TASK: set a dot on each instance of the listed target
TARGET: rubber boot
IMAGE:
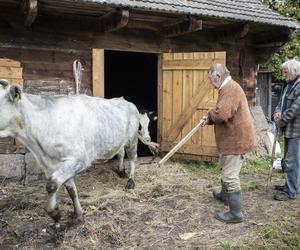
(221, 194)
(234, 215)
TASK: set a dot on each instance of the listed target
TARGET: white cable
(77, 68)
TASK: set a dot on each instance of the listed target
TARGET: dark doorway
(133, 76)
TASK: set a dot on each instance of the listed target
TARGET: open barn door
(185, 95)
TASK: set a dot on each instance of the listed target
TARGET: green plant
(226, 245)
(201, 166)
(251, 186)
(288, 8)
(256, 165)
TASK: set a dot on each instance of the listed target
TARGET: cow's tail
(153, 147)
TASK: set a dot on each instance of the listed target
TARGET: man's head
(217, 74)
(291, 69)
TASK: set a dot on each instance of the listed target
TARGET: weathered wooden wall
(243, 67)
(51, 71)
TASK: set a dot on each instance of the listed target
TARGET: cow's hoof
(77, 220)
(130, 184)
(55, 214)
(122, 174)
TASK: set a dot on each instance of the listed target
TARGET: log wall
(51, 71)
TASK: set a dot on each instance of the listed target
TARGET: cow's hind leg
(132, 156)
(72, 191)
(121, 170)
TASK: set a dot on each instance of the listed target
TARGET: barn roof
(241, 10)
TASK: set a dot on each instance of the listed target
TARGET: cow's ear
(15, 93)
(3, 83)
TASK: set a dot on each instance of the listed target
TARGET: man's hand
(204, 120)
(277, 116)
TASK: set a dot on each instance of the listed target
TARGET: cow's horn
(4, 83)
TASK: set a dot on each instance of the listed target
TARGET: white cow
(67, 133)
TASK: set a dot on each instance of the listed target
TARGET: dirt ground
(171, 207)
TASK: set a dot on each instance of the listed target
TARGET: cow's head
(144, 126)
(9, 96)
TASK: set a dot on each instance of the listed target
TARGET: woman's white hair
(219, 69)
(293, 66)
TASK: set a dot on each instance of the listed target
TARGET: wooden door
(185, 95)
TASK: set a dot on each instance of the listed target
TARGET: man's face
(215, 81)
(288, 76)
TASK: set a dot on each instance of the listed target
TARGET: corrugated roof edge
(289, 23)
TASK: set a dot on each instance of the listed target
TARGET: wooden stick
(180, 144)
(272, 158)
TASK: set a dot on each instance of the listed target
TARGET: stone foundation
(20, 167)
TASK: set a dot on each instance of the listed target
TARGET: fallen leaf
(186, 236)
(92, 207)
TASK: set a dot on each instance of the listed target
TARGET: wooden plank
(160, 97)
(187, 113)
(191, 149)
(196, 117)
(16, 81)
(187, 93)
(10, 72)
(98, 72)
(196, 85)
(187, 156)
(187, 64)
(9, 63)
(177, 94)
(167, 93)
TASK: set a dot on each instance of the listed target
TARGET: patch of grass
(202, 166)
(251, 186)
(278, 233)
(256, 165)
(226, 245)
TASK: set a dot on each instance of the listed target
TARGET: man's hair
(293, 66)
(219, 69)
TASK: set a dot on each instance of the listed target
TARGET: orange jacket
(234, 128)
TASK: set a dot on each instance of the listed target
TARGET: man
(235, 136)
(287, 116)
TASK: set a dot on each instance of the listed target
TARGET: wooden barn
(154, 53)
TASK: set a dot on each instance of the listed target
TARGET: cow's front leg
(63, 173)
(72, 191)
(52, 208)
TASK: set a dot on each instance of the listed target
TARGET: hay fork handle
(183, 141)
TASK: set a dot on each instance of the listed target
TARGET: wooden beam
(114, 20)
(42, 38)
(269, 45)
(273, 37)
(30, 9)
(232, 32)
(244, 31)
(187, 26)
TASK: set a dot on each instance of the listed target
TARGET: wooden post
(98, 72)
